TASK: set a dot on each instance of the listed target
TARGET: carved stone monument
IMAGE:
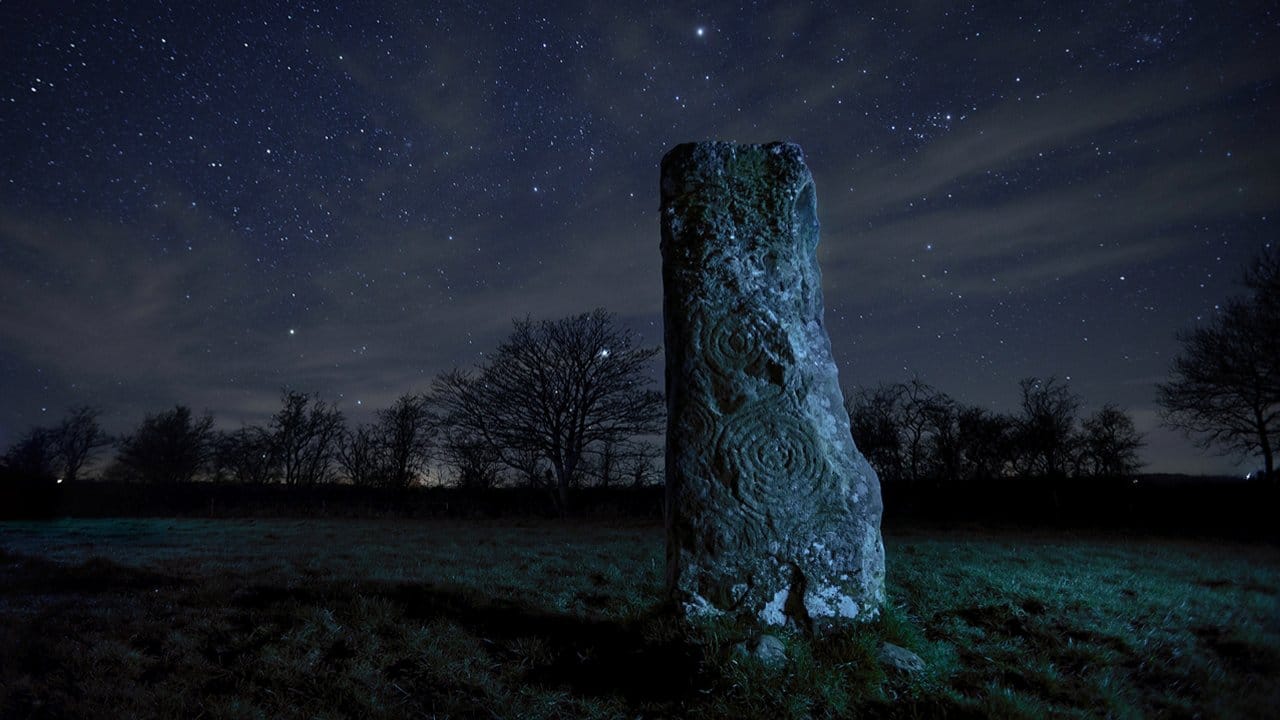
(772, 513)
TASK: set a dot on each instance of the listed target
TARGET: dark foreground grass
(191, 618)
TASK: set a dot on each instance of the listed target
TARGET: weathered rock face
(772, 512)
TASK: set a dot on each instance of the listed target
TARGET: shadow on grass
(1239, 653)
(587, 656)
(22, 575)
(66, 609)
(584, 655)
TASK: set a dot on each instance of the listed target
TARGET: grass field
(278, 618)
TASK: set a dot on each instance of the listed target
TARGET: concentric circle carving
(734, 343)
(771, 455)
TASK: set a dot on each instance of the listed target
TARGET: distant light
(604, 352)
(292, 331)
(701, 31)
(59, 481)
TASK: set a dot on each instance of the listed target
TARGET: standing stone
(772, 513)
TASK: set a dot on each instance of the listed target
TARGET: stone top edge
(694, 165)
(686, 150)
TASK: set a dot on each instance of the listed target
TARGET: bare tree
(78, 440)
(1046, 428)
(614, 462)
(405, 433)
(529, 466)
(360, 457)
(305, 433)
(247, 455)
(556, 388)
(1224, 389)
(393, 451)
(946, 452)
(603, 463)
(169, 447)
(1109, 444)
(873, 418)
(986, 439)
(640, 463)
(476, 462)
(914, 424)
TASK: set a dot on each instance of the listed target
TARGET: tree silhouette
(405, 434)
(529, 467)
(476, 462)
(169, 447)
(1046, 428)
(360, 457)
(1224, 389)
(305, 434)
(393, 451)
(1109, 444)
(916, 414)
(946, 450)
(247, 455)
(78, 439)
(555, 389)
(34, 457)
(27, 475)
(874, 422)
(640, 463)
(987, 443)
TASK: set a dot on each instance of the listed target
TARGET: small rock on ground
(900, 658)
(768, 649)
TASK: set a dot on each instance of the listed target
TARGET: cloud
(1069, 213)
(1069, 119)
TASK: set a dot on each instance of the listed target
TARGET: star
(419, 189)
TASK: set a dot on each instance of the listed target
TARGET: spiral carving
(771, 456)
(698, 426)
(735, 343)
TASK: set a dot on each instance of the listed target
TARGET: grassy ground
(277, 618)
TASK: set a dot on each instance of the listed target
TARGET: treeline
(468, 432)
(559, 405)
(919, 438)
(565, 405)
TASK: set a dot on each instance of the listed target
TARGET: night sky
(201, 207)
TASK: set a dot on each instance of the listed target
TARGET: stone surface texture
(772, 513)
